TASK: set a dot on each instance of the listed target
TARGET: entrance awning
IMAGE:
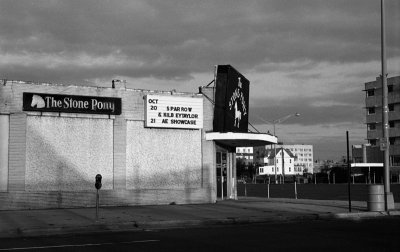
(237, 139)
(366, 165)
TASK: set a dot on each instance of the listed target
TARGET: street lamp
(274, 123)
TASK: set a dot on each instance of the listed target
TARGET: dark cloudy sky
(308, 56)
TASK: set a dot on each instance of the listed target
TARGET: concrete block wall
(4, 136)
(162, 158)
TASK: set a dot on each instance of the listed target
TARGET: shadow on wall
(65, 154)
(163, 158)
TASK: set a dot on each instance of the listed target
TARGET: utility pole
(283, 165)
(389, 203)
(276, 175)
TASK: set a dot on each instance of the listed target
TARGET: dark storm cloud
(335, 108)
(173, 39)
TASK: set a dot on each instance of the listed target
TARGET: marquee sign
(231, 113)
(71, 104)
(173, 112)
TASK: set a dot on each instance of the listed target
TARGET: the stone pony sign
(71, 103)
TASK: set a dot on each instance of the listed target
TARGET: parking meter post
(348, 170)
(268, 190)
(97, 184)
(97, 203)
(295, 189)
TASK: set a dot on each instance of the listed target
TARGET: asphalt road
(328, 235)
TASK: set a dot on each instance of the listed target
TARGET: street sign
(383, 144)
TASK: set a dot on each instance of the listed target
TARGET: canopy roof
(238, 139)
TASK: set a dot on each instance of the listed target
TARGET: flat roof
(238, 139)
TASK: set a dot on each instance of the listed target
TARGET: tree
(245, 170)
(241, 168)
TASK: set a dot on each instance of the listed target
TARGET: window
(370, 92)
(391, 124)
(261, 170)
(391, 107)
(372, 142)
(392, 140)
(371, 126)
(272, 169)
(371, 111)
(290, 169)
(277, 169)
(390, 88)
(395, 160)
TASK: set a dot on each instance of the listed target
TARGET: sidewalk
(137, 218)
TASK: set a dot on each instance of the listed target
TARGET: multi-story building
(373, 105)
(245, 153)
(303, 155)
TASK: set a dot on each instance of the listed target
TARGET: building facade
(150, 147)
(245, 153)
(373, 105)
(53, 146)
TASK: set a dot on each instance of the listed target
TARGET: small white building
(285, 163)
(302, 152)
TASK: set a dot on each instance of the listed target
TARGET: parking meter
(98, 181)
(98, 186)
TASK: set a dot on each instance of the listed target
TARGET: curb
(360, 215)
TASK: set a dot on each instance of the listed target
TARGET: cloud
(308, 56)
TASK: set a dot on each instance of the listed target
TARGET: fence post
(268, 190)
(295, 189)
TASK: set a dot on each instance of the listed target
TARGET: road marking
(79, 245)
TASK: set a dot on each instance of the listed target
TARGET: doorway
(222, 165)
